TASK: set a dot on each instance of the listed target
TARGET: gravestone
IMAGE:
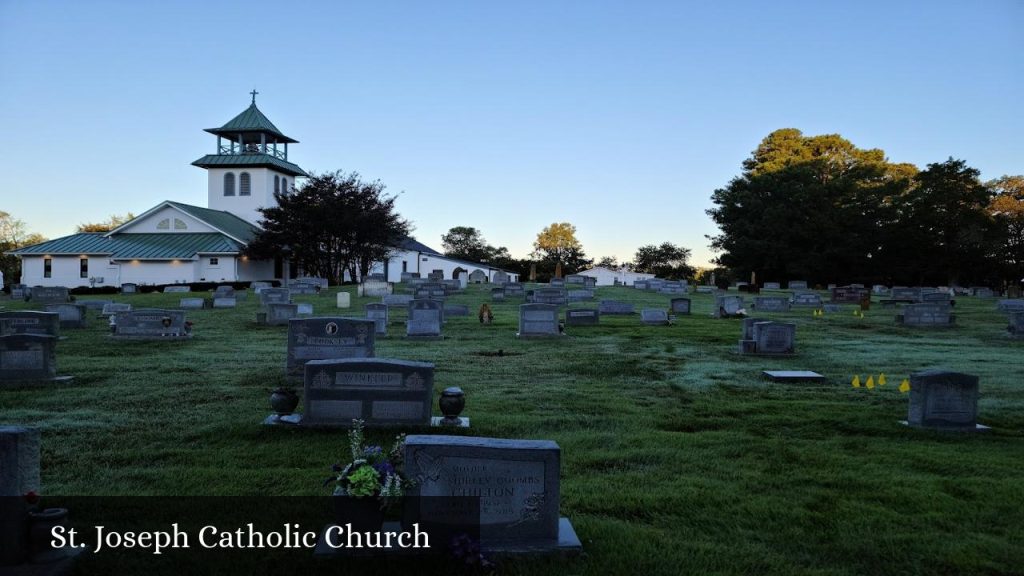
(327, 338)
(943, 400)
(302, 289)
(379, 314)
(451, 286)
(95, 305)
(49, 295)
(679, 305)
(430, 291)
(807, 299)
(304, 309)
(19, 291)
(673, 287)
(767, 337)
(71, 315)
(747, 327)
(425, 318)
(905, 294)
(1016, 324)
(880, 290)
(654, 317)
(538, 320)
(556, 296)
(772, 286)
(926, 315)
(832, 308)
(463, 279)
(500, 278)
(343, 299)
(30, 322)
(514, 290)
(114, 308)
(640, 284)
(376, 276)
(849, 294)
(615, 307)
(1013, 292)
(396, 300)
(771, 304)
(258, 287)
(477, 277)
(497, 294)
(224, 292)
(655, 284)
(129, 288)
(579, 296)
(224, 302)
(942, 298)
(279, 314)
(983, 292)
(557, 283)
(175, 289)
(705, 289)
(374, 288)
(150, 324)
(436, 276)
(793, 376)
(379, 391)
(582, 317)
(575, 279)
(191, 303)
(19, 475)
(275, 296)
(1010, 305)
(797, 285)
(514, 486)
(315, 281)
(29, 359)
(406, 276)
(727, 306)
(589, 282)
(456, 310)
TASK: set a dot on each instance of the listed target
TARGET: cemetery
(606, 424)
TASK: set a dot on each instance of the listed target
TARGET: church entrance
(456, 272)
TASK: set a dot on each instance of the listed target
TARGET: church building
(175, 243)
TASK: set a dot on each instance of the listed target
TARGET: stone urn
(283, 401)
(452, 401)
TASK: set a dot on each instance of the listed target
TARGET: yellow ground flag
(881, 379)
(870, 383)
(905, 386)
(856, 381)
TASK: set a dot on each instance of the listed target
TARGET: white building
(175, 243)
(609, 277)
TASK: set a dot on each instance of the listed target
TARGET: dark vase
(363, 513)
(283, 402)
(452, 402)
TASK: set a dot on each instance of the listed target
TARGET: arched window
(284, 185)
(277, 184)
(229, 184)
(244, 184)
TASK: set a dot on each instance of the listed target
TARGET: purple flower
(384, 469)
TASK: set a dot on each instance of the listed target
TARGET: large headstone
(575, 279)
(275, 296)
(379, 391)
(983, 292)
(538, 320)
(797, 285)
(727, 306)
(406, 276)
(849, 294)
(926, 315)
(497, 294)
(425, 318)
(775, 337)
(129, 288)
(375, 288)
(640, 284)
(71, 315)
(29, 322)
(582, 317)
(327, 338)
(224, 302)
(771, 303)
(673, 287)
(113, 308)
(191, 303)
(905, 294)
(772, 286)
(514, 290)
(49, 295)
(303, 289)
(279, 314)
(343, 299)
(258, 287)
(29, 359)
(807, 299)
(556, 296)
(516, 482)
(1010, 305)
(379, 314)
(321, 283)
(654, 316)
(396, 300)
(500, 278)
(150, 324)
(613, 307)
(477, 277)
(579, 295)
(1016, 324)
(557, 283)
(943, 298)
(224, 291)
(431, 291)
(943, 400)
(175, 289)
(679, 305)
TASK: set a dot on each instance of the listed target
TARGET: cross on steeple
(254, 93)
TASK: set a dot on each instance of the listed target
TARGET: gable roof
(250, 120)
(234, 227)
(149, 246)
(413, 245)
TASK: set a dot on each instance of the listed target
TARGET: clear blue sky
(620, 117)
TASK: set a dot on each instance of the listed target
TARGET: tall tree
(610, 262)
(13, 235)
(664, 261)
(1007, 208)
(106, 226)
(334, 223)
(557, 244)
(465, 242)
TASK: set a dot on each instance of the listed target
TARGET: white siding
(150, 224)
(245, 207)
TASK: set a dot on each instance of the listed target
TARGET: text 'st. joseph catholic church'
(175, 243)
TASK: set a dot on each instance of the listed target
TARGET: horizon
(619, 119)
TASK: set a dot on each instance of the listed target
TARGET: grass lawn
(677, 458)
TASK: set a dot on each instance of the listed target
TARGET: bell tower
(250, 165)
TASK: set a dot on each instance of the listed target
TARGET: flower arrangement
(372, 470)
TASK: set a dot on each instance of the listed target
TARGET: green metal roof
(244, 160)
(226, 222)
(250, 120)
(136, 246)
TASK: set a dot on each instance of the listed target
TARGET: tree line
(821, 209)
